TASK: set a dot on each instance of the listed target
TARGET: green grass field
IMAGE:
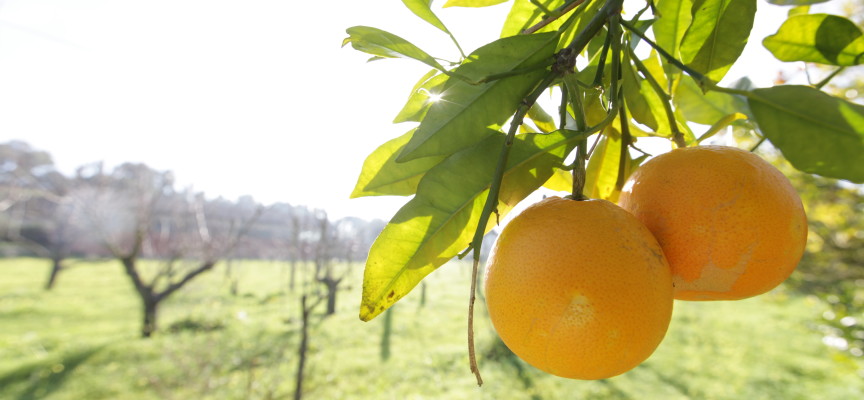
(81, 341)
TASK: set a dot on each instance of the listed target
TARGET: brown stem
(472, 355)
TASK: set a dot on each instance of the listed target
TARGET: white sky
(236, 97)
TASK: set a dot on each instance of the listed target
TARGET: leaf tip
(368, 311)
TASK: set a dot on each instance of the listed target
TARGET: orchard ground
(80, 341)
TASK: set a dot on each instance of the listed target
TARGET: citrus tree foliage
(478, 142)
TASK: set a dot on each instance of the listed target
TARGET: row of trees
(133, 213)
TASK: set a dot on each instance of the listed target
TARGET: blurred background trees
(164, 236)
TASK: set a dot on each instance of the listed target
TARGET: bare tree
(326, 249)
(138, 214)
(37, 213)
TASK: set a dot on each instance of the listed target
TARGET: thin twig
(553, 16)
(564, 63)
(677, 136)
(828, 78)
(472, 354)
(491, 205)
(701, 79)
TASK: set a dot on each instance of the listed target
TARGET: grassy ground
(80, 341)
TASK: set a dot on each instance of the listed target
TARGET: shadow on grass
(46, 376)
(677, 385)
(500, 353)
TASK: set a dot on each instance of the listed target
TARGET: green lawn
(80, 341)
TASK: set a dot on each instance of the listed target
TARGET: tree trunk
(332, 288)
(422, 294)
(56, 266)
(292, 281)
(149, 325)
(386, 334)
(304, 346)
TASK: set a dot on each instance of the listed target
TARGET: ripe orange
(730, 224)
(579, 289)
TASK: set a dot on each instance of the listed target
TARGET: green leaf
(466, 111)
(560, 181)
(819, 38)
(717, 35)
(421, 8)
(721, 124)
(472, 3)
(541, 118)
(705, 108)
(655, 68)
(601, 174)
(799, 10)
(382, 175)
(419, 101)
(817, 133)
(385, 44)
(524, 14)
(795, 2)
(441, 219)
(672, 21)
(635, 93)
(588, 12)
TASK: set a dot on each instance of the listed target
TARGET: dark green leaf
(817, 133)
(385, 44)
(382, 175)
(705, 108)
(465, 112)
(717, 35)
(441, 219)
(819, 38)
(421, 9)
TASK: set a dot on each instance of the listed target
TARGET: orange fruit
(579, 289)
(730, 224)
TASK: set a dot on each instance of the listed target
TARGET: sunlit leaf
(385, 44)
(440, 220)
(819, 38)
(466, 111)
(705, 108)
(601, 174)
(672, 21)
(655, 68)
(382, 175)
(721, 124)
(560, 181)
(799, 10)
(795, 2)
(816, 132)
(523, 14)
(421, 8)
(541, 118)
(421, 97)
(717, 35)
(587, 13)
(634, 95)
(472, 3)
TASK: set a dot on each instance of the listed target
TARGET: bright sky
(253, 97)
